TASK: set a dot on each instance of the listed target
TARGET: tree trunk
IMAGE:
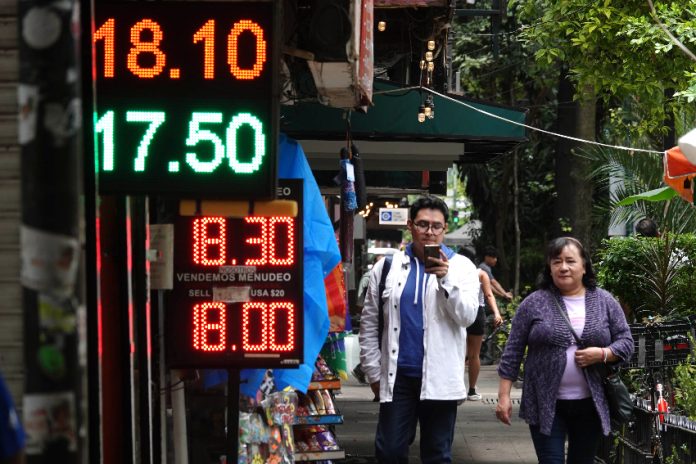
(502, 210)
(574, 201)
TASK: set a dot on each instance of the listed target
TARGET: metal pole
(232, 415)
(179, 434)
(50, 138)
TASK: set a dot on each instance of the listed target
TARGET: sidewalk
(479, 437)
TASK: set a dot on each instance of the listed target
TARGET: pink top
(573, 384)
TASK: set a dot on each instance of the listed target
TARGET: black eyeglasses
(435, 227)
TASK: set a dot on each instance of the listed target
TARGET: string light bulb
(382, 26)
(422, 65)
(431, 45)
(428, 56)
(431, 65)
(421, 113)
(429, 107)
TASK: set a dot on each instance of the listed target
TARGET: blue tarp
(321, 255)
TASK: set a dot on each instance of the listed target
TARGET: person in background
(474, 333)
(12, 437)
(415, 364)
(646, 227)
(360, 302)
(490, 259)
(561, 398)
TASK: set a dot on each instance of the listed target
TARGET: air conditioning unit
(339, 35)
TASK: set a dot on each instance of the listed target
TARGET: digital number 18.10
(196, 135)
(146, 37)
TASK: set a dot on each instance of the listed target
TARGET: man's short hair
(429, 202)
(646, 227)
(490, 251)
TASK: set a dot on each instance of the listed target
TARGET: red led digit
(247, 308)
(289, 309)
(107, 32)
(272, 241)
(202, 327)
(203, 242)
(206, 34)
(141, 46)
(233, 55)
(261, 241)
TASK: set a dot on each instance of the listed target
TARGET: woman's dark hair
(469, 253)
(429, 202)
(553, 249)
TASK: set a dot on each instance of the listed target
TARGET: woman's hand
(503, 411)
(497, 320)
(588, 356)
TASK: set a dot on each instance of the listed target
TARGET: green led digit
(196, 135)
(155, 118)
(105, 125)
(259, 143)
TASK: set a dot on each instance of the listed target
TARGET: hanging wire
(516, 123)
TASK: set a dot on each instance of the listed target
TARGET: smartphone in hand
(431, 251)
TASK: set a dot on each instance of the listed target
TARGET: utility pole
(49, 134)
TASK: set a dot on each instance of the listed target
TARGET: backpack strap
(380, 304)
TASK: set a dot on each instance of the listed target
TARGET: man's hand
(508, 295)
(497, 320)
(375, 389)
(439, 267)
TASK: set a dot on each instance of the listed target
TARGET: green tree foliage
(650, 276)
(638, 173)
(616, 47)
(509, 77)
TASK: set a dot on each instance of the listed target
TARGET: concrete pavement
(479, 437)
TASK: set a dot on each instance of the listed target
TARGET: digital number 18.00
(154, 119)
(210, 333)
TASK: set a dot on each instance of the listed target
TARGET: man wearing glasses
(413, 357)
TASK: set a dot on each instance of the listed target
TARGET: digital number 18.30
(196, 135)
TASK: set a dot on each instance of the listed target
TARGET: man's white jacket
(450, 305)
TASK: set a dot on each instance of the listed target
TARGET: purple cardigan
(539, 327)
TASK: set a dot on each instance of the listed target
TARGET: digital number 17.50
(196, 135)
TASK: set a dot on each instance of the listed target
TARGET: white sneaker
(474, 397)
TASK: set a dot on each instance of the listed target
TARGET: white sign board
(393, 216)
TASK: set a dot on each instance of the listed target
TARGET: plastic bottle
(662, 405)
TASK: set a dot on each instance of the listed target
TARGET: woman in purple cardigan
(561, 398)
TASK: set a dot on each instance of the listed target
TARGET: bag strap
(567, 321)
(380, 304)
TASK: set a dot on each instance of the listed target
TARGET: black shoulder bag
(380, 304)
(620, 403)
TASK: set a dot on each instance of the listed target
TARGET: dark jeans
(577, 420)
(396, 428)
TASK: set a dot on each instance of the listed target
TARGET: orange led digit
(206, 34)
(232, 50)
(141, 46)
(106, 32)
(261, 241)
(247, 308)
(202, 327)
(273, 241)
(203, 242)
(289, 309)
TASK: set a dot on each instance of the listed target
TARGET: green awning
(394, 118)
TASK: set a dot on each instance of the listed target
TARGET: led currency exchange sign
(237, 297)
(186, 98)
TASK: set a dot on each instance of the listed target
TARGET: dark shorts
(478, 327)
